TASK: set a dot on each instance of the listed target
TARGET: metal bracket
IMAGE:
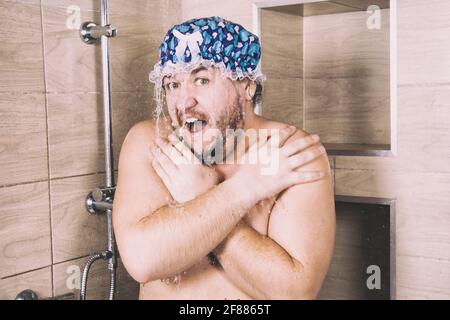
(91, 33)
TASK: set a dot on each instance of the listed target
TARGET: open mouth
(193, 124)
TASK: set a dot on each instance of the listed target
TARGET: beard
(226, 129)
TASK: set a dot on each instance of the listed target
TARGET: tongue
(197, 126)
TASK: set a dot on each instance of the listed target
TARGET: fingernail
(315, 137)
(322, 149)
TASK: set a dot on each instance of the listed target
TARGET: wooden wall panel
(347, 78)
(24, 228)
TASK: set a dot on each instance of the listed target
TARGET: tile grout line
(46, 266)
(24, 272)
(53, 179)
(48, 151)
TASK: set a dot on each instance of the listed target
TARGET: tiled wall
(347, 78)
(51, 143)
(419, 175)
(51, 134)
(282, 63)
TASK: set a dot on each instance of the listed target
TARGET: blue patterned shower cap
(211, 41)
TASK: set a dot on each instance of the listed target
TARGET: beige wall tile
(423, 224)
(341, 46)
(70, 65)
(422, 278)
(75, 232)
(283, 101)
(76, 129)
(423, 46)
(75, 134)
(139, 16)
(423, 128)
(23, 138)
(21, 63)
(423, 140)
(369, 163)
(64, 4)
(140, 25)
(35, 2)
(24, 228)
(238, 11)
(348, 110)
(347, 78)
(282, 42)
(132, 59)
(363, 4)
(68, 274)
(129, 109)
(40, 281)
(326, 7)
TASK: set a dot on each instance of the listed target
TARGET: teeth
(191, 120)
(194, 124)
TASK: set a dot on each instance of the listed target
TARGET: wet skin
(264, 249)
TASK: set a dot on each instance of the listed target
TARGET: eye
(172, 85)
(201, 81)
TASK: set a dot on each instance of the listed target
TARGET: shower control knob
(27, 295)
(98, 195)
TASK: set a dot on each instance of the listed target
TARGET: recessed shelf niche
(330, 70)
(365, 240)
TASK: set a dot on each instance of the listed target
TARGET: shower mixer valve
(100, 200)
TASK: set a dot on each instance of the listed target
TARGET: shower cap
(211, 41)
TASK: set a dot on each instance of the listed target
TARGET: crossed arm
(292, 260)
(157, 240)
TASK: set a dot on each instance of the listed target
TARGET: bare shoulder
(321, 163)
(144, 132)
(139, 190)
(271, 124)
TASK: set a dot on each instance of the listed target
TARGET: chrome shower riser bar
(91, 33)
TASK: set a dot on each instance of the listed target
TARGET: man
(202, 213)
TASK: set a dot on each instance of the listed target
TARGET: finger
(279, 137)
(299, 144)
(166, 162)
(301, 177)
(171, 153)
(183, 149)
(306, 156)
(160, 171)
(239, 145)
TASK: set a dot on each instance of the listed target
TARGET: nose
(186, 99)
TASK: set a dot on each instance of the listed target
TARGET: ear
(250, 89)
